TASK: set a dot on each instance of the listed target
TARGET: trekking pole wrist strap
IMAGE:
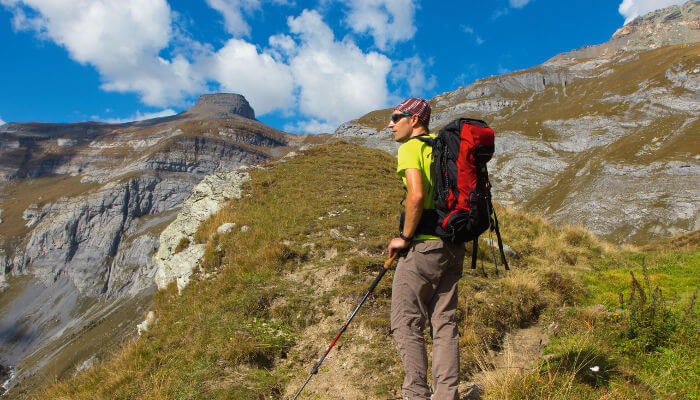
(408, 239)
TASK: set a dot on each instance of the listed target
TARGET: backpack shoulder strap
(425, 138)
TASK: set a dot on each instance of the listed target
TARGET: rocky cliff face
(605, 137)
(82, 208)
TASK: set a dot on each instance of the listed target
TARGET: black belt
(427, 225)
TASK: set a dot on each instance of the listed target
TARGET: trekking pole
(314, 371)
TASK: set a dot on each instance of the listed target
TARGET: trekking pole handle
(388, 262)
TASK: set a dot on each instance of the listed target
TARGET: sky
(304, 66)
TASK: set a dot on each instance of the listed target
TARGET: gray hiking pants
(425, 288)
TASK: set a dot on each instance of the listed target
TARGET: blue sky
(305, 66)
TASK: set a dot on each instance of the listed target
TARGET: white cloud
(631, 9)
(282, 47)
(412, 70)
(469, 30)
(137, 46)
(282, 42)
(519, 3)
(265, 82)
(2, 122)
(388, 21)
(120, 38)
(503, 70)
(500, 12)
(337, 80)
(310, 126)
(139, 116)
(233, 10)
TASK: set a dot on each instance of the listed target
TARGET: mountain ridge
(558, 123)
(669, 26)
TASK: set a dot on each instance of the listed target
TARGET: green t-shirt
(414, 154)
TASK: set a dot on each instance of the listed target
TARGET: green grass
(645, 349)
(675, 272)
(229, 337)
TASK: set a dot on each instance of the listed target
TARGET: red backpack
(463, 208)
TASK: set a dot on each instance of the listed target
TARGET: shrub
(649, 322)
(182, 245)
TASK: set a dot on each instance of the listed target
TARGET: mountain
(605, 136)
(96, 216)
(82, 206)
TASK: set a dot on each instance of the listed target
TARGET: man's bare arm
(414, 209)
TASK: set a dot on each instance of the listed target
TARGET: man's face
(400, 125)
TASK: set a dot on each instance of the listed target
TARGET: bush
(649, 322)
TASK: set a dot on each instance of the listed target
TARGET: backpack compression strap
(475, 247)
(500, 242)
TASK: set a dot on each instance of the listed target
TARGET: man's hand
(396, 245)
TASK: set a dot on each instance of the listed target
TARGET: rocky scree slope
(82, 206)
(605, 136)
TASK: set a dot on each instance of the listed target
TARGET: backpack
(463, 208)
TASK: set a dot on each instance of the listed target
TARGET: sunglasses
(397, 117)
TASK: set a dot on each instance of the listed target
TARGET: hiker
(428, 269)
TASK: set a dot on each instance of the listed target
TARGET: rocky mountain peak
(221, 106)
(665, 27)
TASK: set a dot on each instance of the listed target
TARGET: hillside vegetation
(311, 234)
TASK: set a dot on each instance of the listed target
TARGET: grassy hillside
(271, 296)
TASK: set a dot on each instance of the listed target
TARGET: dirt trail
(345, 366)
(521, 349)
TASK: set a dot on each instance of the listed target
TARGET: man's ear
(414, 120)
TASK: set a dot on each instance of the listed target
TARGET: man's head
(411, 117)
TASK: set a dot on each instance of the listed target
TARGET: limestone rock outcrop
(207, 197)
